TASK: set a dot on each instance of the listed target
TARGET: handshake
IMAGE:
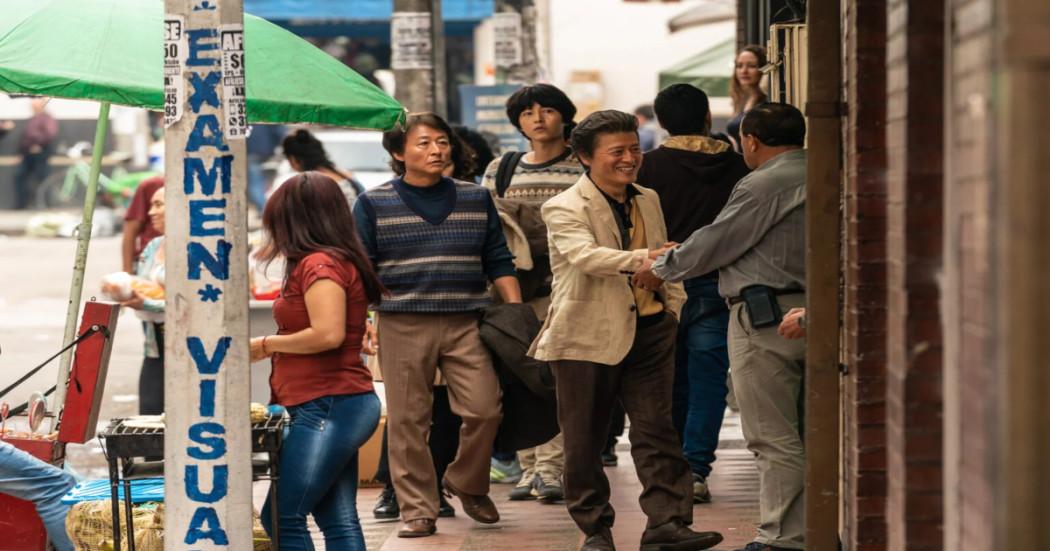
(644, 278)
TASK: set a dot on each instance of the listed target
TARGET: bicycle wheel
(51, 195)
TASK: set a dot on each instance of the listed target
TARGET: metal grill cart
(132, 449)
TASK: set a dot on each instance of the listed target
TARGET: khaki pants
(411, 348)
(546, 459)
(767, 374)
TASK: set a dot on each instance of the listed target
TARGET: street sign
(506, 31)
(207, 446)
(410, 41)
(484, 109)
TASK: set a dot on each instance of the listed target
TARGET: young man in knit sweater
(694, 174)
(436, 243)
(543, 114)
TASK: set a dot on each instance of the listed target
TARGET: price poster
(410, 41)
(506, 28)
(233, 89)
(174, 54)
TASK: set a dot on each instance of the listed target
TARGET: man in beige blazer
(609, 340)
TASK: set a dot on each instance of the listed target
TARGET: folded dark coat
(530, 413)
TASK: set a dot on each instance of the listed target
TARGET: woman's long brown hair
(309, 214)
(736, 91)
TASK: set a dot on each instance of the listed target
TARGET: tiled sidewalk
(532, 526)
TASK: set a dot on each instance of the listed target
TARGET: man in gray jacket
(757, 244)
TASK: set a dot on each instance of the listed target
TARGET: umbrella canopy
(709, 70)
(112, 51)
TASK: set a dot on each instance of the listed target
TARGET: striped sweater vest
(431, 267)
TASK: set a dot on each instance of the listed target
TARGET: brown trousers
(642, 381)
(411, 348)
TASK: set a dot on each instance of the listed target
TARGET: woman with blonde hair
(744, 88)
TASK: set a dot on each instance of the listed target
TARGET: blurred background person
(36, 146)
(263, 141)
(745, 88)
(305, 153)
(150, 268)
(138, 228)
(482, 153)
(650, 134)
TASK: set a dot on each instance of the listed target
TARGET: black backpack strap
(505, 172)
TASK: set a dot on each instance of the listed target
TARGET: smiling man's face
(616, 159)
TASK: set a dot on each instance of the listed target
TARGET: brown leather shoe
(479, 508)
(417, 528)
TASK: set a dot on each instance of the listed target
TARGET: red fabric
(139, 210)
(299, 378)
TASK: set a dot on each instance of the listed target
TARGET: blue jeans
(26, 477)
(701, 367)
(319, 471)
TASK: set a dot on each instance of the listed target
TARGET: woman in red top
(318, 373)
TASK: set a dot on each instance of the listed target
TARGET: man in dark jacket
(35, 146)
(694, 174)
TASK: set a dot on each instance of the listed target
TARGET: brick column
(915, 135)
(864, 316)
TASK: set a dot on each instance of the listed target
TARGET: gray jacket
(758, 238)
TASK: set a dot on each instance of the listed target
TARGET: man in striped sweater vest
(435, 243)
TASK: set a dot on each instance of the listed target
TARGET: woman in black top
(744, 89)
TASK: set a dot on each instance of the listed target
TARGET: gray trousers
(767, 372)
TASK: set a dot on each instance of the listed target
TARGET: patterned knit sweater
(539, 182)
(434, 248)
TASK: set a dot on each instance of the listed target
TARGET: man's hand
(793, 325)
(646, 279)
(370, 341)
(657, 253)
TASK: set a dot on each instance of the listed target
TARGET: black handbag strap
(505, 172)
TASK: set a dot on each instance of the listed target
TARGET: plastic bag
(118, 287)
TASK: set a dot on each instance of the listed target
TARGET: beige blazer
(592, 312)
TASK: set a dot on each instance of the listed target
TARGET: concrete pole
(527, 71)
(420, 83)
(208, 436)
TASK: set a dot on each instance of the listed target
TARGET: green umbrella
(111, 51)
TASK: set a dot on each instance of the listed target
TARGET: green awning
(709, 70)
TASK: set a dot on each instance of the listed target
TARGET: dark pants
(151, 378)
(701, 369)
(32, 170)
(443, 441)
(642, 382)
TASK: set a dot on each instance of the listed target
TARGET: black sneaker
(609, 458)
(676, 536)
(524, 490)
(701, 493)
(445, 509)
(548, 489)
(386, 507)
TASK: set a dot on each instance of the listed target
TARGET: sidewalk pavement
(532, 526)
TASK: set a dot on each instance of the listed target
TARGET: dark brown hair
(736, 92)
(610, 121)
(307, 214)
(394, 142)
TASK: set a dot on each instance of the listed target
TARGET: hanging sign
(410, 41)
(506, 30)
(233, 96)
(174, 59)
